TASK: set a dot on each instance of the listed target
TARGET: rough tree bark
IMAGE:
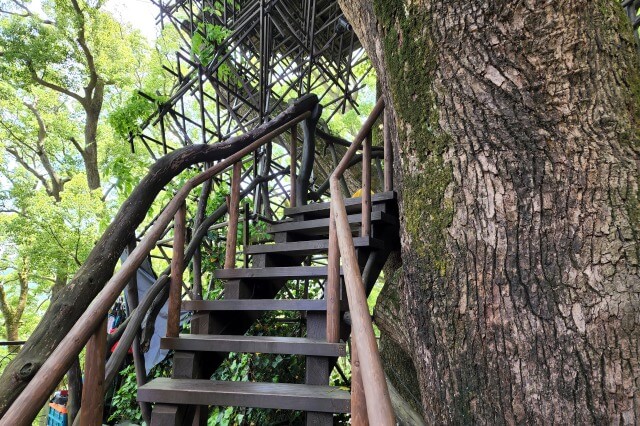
(73, 299)
(517, 155)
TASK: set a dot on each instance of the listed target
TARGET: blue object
(57, 415)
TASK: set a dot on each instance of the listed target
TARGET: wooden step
(281, 272)
(286, 396)
(353, 205)
(253, 344)
(304, 248)
(321, 226)
(255, 305)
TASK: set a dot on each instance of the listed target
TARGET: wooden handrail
(379, 409)
(35, 394)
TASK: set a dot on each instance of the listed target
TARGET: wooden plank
(93, 389)
(285, 396)
(256, 305)
(321, 226)
(309, 247)
(283, 272)
(351, 204)
(254, 344)
(234, 206)
(177, 269)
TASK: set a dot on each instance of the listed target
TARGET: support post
(388, 151)
(358, 400)
(93, 389)
(365, 231)
(234, 207)
(138, 357)
(177, 269)
(333, 284)
(246, 235)
(294, 165)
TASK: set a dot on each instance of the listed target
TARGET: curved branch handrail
(378, 409)
(27, 405)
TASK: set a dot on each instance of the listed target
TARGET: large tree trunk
(515, 129)
(73, 299)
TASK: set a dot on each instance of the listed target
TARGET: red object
(115, 345)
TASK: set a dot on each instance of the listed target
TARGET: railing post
(177, 269)
(366, 187)
(294, 166)
(358, 401)
(388, 151)
(234, 207)
(380, 411)
(246, 235)
(333, 284)
(93, 389)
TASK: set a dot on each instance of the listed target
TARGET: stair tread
(254, 344)
(255, 305)
(314, 226)
(285, 396)
(351, 204)
(283, 272)
(309, 247)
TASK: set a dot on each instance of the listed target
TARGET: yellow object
(358, 193)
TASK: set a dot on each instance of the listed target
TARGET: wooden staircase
(219, 327)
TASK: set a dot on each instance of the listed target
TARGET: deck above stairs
(219, 326)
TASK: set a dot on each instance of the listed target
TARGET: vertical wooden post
(294, 166)
(388, 151)
(177, 269)
(93, 389)
(246, 235)
(359, 414)
(234, 207)
(333, 284)
(366, 187)
(138, 356)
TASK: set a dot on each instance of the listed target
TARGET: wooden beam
(93, 389)
(333, 284)
(234, 214)
(358, 400)
(177, 269)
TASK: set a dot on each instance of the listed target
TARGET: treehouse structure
(266, 76)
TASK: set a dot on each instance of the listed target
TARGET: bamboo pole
(365, 230)
(234, 206)
(177, 269)
(93, 389)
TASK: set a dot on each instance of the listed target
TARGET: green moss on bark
(410, 57)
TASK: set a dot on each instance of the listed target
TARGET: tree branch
(54, 87)
(93, 79)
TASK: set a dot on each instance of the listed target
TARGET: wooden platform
(285, 396)
(256, 344)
